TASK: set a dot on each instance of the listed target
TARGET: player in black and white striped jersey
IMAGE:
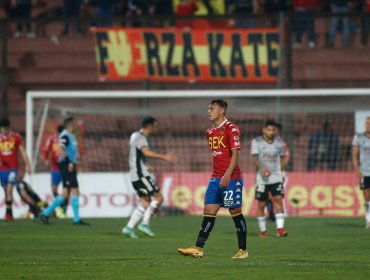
(143, 178)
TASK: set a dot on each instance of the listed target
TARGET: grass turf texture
(316, 248)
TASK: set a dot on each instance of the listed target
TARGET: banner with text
(307, 194)
(112, 194)
(241, 55)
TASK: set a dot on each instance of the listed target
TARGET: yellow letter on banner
(119, 52)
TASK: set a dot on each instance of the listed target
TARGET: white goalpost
(107, 118)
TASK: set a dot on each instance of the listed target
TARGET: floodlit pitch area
(316, 248)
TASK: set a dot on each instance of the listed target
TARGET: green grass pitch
(316, 248)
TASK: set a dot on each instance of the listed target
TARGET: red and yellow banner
(241, 55)
(317, 194)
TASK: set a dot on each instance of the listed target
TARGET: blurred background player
(268, 153)
(51, 158)
(226, 185)
(361, 162)
(284, 162)
(143, 179)
(67, 166)
(11, 143)
(29, 196)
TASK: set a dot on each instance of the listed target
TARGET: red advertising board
(318, 194)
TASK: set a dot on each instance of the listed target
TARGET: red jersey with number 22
(222, 140)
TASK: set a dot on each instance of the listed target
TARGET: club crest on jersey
(222, 131)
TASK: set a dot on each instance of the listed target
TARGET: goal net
(317, 125)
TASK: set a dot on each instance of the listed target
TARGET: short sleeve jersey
(51, 151)
(69, 143)
(137, 160)
(269, 155)
(9, 147)
(223, 140)
(363, 144)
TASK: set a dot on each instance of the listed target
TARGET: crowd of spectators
(244, 10)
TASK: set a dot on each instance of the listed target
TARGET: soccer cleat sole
(182, 252)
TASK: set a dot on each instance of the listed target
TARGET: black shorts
(69, 178)
(262, 191)
(146, 186)
(365, 183)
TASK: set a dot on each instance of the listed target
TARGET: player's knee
(235, 211)
(145, 201)
(158, 197)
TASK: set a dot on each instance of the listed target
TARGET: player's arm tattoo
(256, 162)
(282, 163)
(355, 154)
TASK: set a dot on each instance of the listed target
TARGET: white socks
(280, 217)
(149, 212)
(367, 213)
(262, 223)
(136, 216)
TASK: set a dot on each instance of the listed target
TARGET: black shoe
(44, 219)
(81, 223)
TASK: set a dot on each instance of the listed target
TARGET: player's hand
(359, 175)
(225, 181)
(46, 162)
(170, 157)
(70, 167)
(266, 171)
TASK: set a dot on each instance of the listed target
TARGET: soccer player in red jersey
(226, 185)
(11, 143)
(51, 158)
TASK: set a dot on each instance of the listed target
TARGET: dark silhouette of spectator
(304, 21)
(365, 23)
(22, 10)
(276, 7)
(339, 7)
(323, 148)
(103, 9)
(72, 9)
(185, 8)
(6, 5)
(163, 8)
(138, 8)
(244, 10)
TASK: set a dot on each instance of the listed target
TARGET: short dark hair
(148, 121)
(67, 121)
(5, 122)
(269, 123)
(60, 128)
(220, 102)
(278, 125)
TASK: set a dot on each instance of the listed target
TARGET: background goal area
(318, 127)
